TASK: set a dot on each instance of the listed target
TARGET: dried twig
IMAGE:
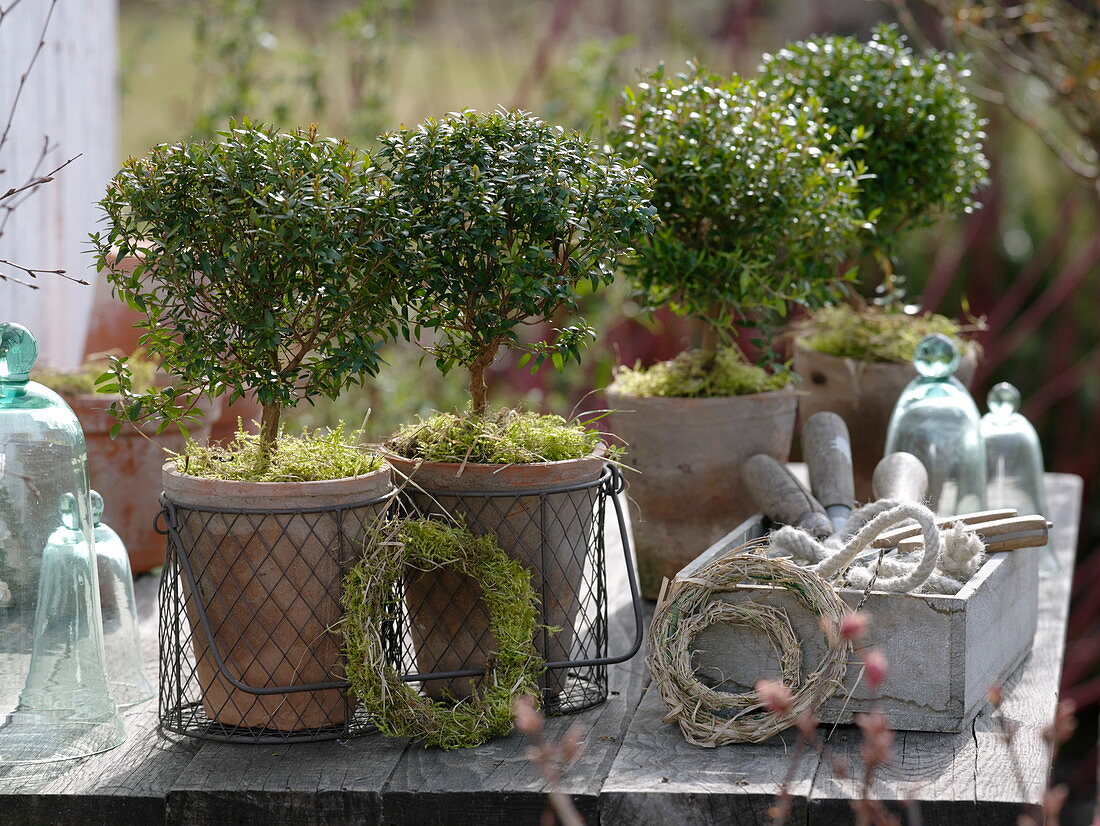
(14, 196)
(551, 758)
(34, 272)
(30, 66)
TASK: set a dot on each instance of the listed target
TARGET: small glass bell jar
(1015, 461)
(126, 674)
(936, 420)
(55, 703)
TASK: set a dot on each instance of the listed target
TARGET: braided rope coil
(712, 718)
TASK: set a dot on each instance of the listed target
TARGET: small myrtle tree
(920, 133)
(269, 267)
(507, 216)
(757, 207)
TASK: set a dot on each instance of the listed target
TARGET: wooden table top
(634, 770)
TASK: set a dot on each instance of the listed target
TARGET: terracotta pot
(863, 393)
(127, 472)
(450, 626)
(689, 452)
(270, 585)
(111, 325)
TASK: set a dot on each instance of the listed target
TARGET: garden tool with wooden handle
(782, 498)
(828, 451)
(900, 476)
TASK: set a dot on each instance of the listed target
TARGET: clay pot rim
(789, 390)
(600, 453)
(169, 471)
(970, 352)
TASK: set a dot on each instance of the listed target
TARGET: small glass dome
(54, 700)
(1015, 461)
(126, 674)
(936, 420)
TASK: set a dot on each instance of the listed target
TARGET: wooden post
(71, 98)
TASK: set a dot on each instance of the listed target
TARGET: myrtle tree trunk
(708, 341)
(479, 391)
(269, 428)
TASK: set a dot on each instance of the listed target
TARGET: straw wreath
(688, 606)
(371, 597)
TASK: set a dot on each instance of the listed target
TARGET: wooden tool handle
(889, 539)
(900, 476)
(781, 497)
(1001, 535)
(828, 452)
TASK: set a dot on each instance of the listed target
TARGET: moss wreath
(510, 601)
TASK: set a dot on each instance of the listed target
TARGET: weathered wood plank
(1032, 696)
(320, 783)
(658, 777)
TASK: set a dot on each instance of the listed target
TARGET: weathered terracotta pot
(127, 472)
(111, 324)
(270, 585)
(689, 452)
(550, 537)
(863, 393)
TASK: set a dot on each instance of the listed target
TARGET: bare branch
(26, 74)
(34, 272)
(5, 12)
(34, 183)
(17, 195)
(19, 281)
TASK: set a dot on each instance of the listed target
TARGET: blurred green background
(1028, 262)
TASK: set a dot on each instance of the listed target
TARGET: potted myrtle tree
(758, 209)
(508, 215)
(270, 267)
(922, 150)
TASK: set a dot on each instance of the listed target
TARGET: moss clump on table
(370, 590)
(698, 374)
(313, 456)
(497, 437)
(873, 334)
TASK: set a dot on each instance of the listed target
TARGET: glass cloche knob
(936, 420)
(936, 356)
(18, 352)
(70, 512)
(1003, 400)
(97, 507)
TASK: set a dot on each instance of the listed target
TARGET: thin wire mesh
(248, 602)
(442, 639)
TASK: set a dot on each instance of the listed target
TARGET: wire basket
(247, 650)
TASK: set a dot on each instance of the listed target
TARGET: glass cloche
(126, 674)
(54, 699)
(1014, 461)
(936, 420)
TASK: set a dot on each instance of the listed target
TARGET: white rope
(945, 563)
